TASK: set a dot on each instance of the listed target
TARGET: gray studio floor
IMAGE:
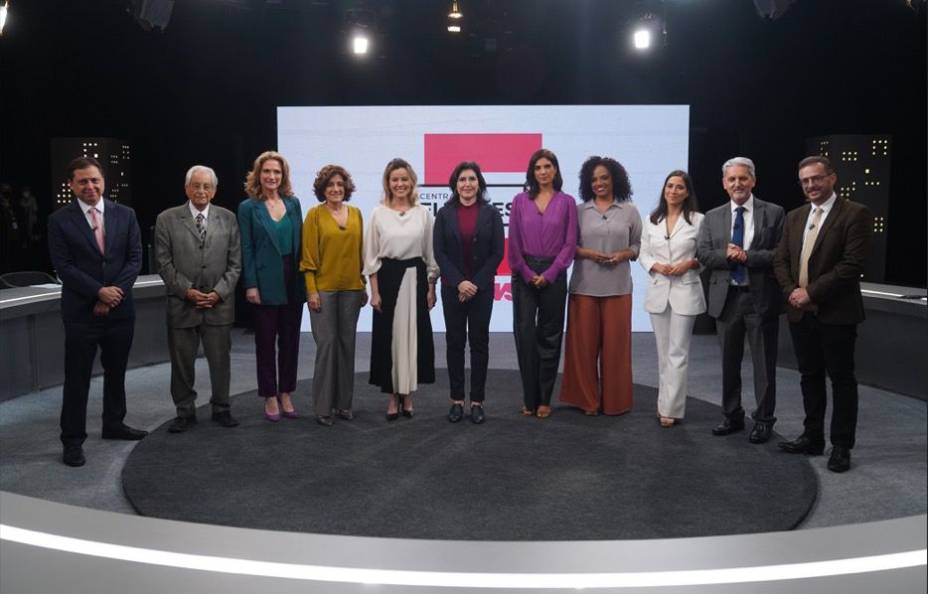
(887, 480)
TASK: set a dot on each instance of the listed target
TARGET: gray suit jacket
(714, 237)
(184, 262)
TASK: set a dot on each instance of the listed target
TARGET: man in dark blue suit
(96, 250)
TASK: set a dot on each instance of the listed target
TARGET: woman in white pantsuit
(675, 296)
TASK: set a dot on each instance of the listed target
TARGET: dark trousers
(184, 344)
(277, 368)
(820, 349)
(737, 320)
(538, 321)
(80, 349)
(468, 321)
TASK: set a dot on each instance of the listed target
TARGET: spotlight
(647, 32)
(642, 39)
(454, 18)
(4, 10)
(360, 44)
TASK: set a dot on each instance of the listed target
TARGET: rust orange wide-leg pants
(598, 358)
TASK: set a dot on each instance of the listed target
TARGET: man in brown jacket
(818, 264)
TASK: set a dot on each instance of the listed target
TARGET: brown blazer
(836, 263)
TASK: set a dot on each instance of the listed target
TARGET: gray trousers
(334, 328)
(183, 344)
(737, 320)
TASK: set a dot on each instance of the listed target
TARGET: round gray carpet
(568, 477)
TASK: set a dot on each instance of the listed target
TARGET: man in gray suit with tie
(737, 244)
(199, 256)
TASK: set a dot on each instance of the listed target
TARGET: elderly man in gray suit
(737, 244)
(199, 256)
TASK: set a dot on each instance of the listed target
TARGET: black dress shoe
(181, 424)
(73, 456)
(840, 459)
(456, 413)
(393, 416)
(325, 421)
(477, 415)
(224, 419)
(124, 432)
(344, 414)
(727, 427)
(761, 433)
(802, 445)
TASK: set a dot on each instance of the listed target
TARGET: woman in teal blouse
(271, 220)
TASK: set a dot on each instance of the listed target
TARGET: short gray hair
(196, 168)
(743, 161)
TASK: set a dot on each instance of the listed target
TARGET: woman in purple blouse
(542, 241)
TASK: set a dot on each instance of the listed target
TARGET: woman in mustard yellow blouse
(332, 262)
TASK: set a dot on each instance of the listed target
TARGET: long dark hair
(689, 205)
(531, 184)
(453, 182)
(621, 187)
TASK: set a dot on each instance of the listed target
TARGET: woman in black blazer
(468, 243)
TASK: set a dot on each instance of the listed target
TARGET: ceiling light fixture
(454, 18)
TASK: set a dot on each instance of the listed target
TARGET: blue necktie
(738, 271)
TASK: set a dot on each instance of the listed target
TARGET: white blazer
(683, 293)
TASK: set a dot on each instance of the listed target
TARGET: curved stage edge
(51, 547)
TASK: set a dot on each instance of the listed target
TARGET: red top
(467, 224)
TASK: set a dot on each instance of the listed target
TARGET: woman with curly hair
(270, 221)
(331, 263)
(598, 359)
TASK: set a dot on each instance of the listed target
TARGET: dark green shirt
(284, 230)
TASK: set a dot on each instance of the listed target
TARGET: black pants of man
(538, 320)
(820, 349)
(738, 320)
(81, 340)
(467, 322)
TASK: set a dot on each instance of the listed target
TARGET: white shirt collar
(194, 212)
(86, 207)
(827, 205)
(748, 205)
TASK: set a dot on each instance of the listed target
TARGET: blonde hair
(253, 179)
(392, 166)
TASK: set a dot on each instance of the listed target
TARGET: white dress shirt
(86, 208)
(748, 220)
(194, 212)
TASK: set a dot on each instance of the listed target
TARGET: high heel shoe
(407, 412)
(394, 415)
(543, 412)
(667, 422)
(287, 414)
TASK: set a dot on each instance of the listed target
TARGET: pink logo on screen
(497, 153)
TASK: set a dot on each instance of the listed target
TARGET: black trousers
(468, 321)
(538, 321)
(737, 320)
(820, 349)
(81, 339)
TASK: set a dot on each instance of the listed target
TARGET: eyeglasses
(815, 179)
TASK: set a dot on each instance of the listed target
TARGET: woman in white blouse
(675, 296)
(399, 261)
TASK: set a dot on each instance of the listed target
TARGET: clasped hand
(736, 254)
(202, 300)
(800, 299)
(466, 291)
